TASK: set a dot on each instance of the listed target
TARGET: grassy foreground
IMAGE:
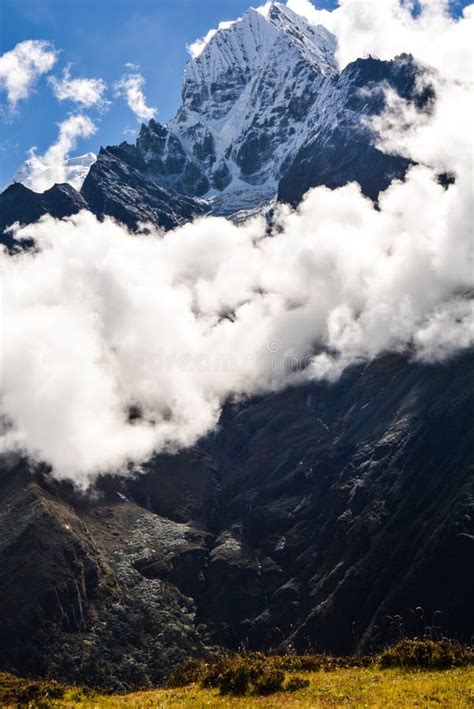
(351, 687)
(410, 674)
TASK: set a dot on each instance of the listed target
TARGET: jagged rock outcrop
(120, 185)
(20, 204)
(98, 588)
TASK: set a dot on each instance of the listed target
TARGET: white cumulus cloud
(40, 172)
(130, 86)
(22, 66)
(385, 28)
(85, 92)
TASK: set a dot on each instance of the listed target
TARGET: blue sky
(97, 37)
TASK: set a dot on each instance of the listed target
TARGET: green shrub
(21, 692)
(244, 674)
(427, 654)
(296, 683)
(268, 681)
(242, 670)
(186, 672)
(255, 673)
(251, 674)
(313, 663)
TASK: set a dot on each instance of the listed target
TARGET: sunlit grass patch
(412, 673)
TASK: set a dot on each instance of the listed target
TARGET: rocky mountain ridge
(144, 182)
(20, 204)
(265, 114)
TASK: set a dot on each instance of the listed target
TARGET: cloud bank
(99, 323)
(130, 87)
(385, 28)
(22, 66)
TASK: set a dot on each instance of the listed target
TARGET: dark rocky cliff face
(308, 520)
(118, 185)
(94, 588)
(20, 204)
(351, 502)
(343, 150)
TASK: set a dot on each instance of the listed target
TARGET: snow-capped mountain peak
(239, 49)
(316, 43)
(247, 101)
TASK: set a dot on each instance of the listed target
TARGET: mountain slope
(341, 149)
(77, 598)
(356, 501)
(119, 185)
(311, 519)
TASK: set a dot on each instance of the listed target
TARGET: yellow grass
(353, 687)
